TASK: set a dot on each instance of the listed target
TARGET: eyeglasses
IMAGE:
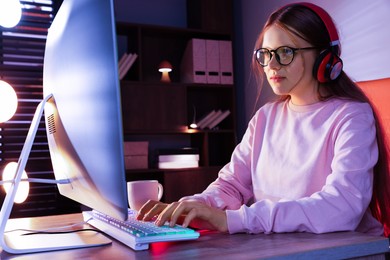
(284, 55)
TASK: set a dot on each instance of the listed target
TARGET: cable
(57, 230)
(63, 232)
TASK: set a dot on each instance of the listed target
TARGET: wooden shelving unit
(161, 113)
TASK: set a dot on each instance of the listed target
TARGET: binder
(212, 62)
(226, 62)
(193, 65)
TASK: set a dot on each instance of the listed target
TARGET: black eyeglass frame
(277, 55)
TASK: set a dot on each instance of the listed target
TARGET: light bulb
(8, 101)
(10, 13)
(9, 173)
(165, 67)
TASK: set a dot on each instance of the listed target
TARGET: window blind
(21, 65)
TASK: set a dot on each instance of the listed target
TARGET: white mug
(139, 192)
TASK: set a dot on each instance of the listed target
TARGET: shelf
(157, 170)
(168, 108)
(160, 113)
(177, 183)
(168, 31)
(185, 131)
(154, 44)
(185, 85)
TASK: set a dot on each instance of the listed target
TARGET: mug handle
(160, 191)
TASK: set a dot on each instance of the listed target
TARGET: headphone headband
(328, 22)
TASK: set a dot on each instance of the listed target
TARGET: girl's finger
(166, 214)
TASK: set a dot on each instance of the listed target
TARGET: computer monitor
(83, 119)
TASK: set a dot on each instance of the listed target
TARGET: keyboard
(135, 233)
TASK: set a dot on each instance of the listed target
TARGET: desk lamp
(165, 67)
(193, 125)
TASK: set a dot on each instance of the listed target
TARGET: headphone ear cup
(319, 69)
(327, 67)
(335, 69)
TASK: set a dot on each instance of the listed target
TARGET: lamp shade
(8, 101)
(165, 66)
(10, 13)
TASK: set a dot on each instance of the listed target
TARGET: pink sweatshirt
(300, 168)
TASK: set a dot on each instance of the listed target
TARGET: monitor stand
(15, 242)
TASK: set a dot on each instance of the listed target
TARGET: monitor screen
(83, 117)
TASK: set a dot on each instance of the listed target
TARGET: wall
(364, 35)
(363, 27)
(166, 13)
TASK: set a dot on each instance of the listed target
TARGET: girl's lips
(276, 78)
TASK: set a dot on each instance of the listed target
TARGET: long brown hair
(304, 23)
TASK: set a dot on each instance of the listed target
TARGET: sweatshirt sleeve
(339, 205)
(233, 187)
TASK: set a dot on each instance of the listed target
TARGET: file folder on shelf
(212, 62)
(207, 61)
(226, 62)
(193, 65)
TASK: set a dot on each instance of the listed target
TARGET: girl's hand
(188, 212)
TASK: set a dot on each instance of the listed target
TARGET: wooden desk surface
(214, 245)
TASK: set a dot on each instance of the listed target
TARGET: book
(205, 118)
(121, 61)
(126, 64)
(178, 165)
(218, 119)
(210, 119)
(178, 157)
(185, 150)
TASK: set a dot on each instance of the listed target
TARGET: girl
(313, 161)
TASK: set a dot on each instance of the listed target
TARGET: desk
(214, 245)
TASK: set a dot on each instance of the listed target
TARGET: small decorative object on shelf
(165, 67)
(193, 124)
